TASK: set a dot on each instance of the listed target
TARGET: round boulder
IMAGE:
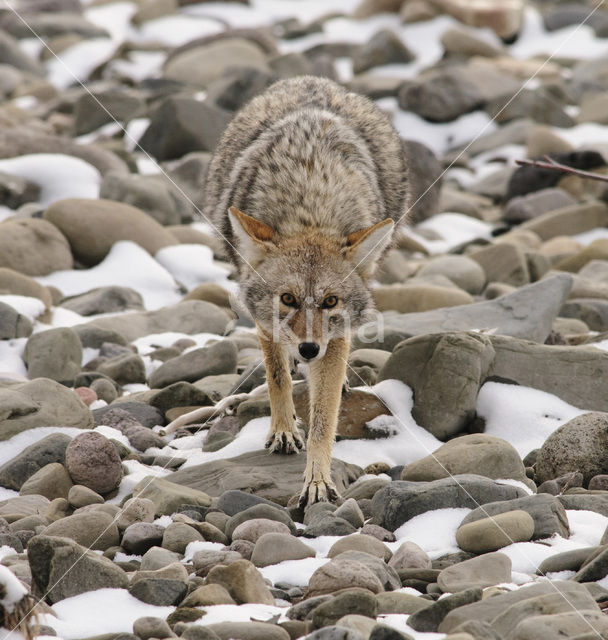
(579, 445)
(93, 461)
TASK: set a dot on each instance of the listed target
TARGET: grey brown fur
(304, 188)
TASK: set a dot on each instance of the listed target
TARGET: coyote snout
(304, 185)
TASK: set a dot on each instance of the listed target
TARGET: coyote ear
(364, 247)
(251, 235)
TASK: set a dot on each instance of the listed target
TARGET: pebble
(93, 461)
(490, 534)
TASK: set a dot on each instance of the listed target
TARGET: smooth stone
(490, 534)
(272, 548)
(93, 461)
(177, 536)
(94, 530)
(360, 542)
(409, 556)
(159, 591)
(141, 536)
(243, 581)
(253, 530)
(135, 510)
(463, 271)
(52, 481)
(107, 299)
(401, 603)
(429, 618)
(565, 561)
(503, 262)
(255, 511)
(418, 298)
(128, 368)
(158, 558)
(353, 601)
(484, 571)
(248, 631)
(343, 574)
(167, 496)
(13, 324)
(208, 595)
(148, 627)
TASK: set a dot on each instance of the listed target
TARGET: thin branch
(551, 164)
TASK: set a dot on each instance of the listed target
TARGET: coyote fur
(304, 186)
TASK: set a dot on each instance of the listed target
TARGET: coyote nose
(308, 350)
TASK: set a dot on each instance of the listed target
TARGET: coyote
(303, 187)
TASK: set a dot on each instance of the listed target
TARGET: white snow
(296, 572)
(144, 274)
(27, 306)
(239, 613)
(84, 615)
(11, 358)
(75, 64)
(13, 589)
(192, 264)
(15, 445)
(175, 30)
(523, 416)
(58, 175)
(136, 472)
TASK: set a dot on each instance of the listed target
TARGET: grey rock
(12, 54)
(342, 573)
(93, 461)
(491, 534)
(159, 591)
(49, 24)
(259, 511)
(409, 556)
(522, 208)
(400, 501)
(204, 561)
(326, 524)
(81, 496)
(565, 561)
(243, 581)
(135, 510)
(595, 567)
(40, 403)
(55, 354)
(589, 502)
(167, 496)
(240, 85)
(303, 609)
(13, 324)
(356, 601)
(350, 511)
(248, 631)
(388, 577)
(24, 506)
(157, 558)
(155, 195)
(52, 481)
(104, 300)
(178, 535)
(93, 337)
(484, 571)
(272, 548)
(143, 413)
(150, 627)
(254, 529)
(503, 262)
(190, 316)
(141, 536)
(128, 368)
(234, 501)
(272, 477)
(334, 632)
(93, 529)
(25, 464)
(579, 445)
(219, 358)
(528, 313)
(62, 569)
(181, 125)
(384, 47)
(361, 542)
(97, 107)
(429, 618)
(461, 270)
(564, 625)
(547, 512)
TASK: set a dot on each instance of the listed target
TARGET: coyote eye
(330, 302)
(288, 300)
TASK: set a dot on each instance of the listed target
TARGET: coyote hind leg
(326, 378)
(283, 436)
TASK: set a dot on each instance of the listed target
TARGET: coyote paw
(317, 491)
(285, 442)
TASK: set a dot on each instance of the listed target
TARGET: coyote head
(304, 290)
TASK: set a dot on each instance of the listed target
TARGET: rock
(566, 624)
(246, 631)
(537, 305)
(416, 298)
(12, 54)
(254, 529)
(92, 529)
(486, 570)
(409, 556)
(168, 496)
(549, 515)
(540, 104)
(136, 510)
(400, 501)
(141, 536)
(429, 618)
(276, 478)
(599, 482)
(358, 601)
(477, 453)
(94, 337)
(504, 18)
(93, 461)
(243, 581)
(578, 445)
(177, 536)
(201, 65)
(208, 594)
(25, 464)
(158, 558)
(402, 603)
(597, 250)
(81, 496)
(490, 534)
(595, 566)
(55, 354)
(568, 220)
(361, 542)
(455, 363)
(52, 481)
(565, 561)
(350, 511)
(461, 270)
(488, 609)
(62, 569)
(190, 316)
(39, 403)
(503, 262)
(334, 632)
(159, 591)
(461, 42)
(586, 502)
(16, 283)
(523, 208)
(150, 627)
(384, 47)
(343, 574)
(326, 524)
(272, 548)
(13, 324)
(219, 358)
(104, 300)
(93, 226)
(97, 107)
(181, 125)
(257, 511)
(33, 247)
(141, 412)
(154, 194)
(128, 368)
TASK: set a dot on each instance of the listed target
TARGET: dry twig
(551, 164)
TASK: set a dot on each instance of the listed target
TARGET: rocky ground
(473, 442)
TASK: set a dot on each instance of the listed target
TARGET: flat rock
(55, 354)
(190, 316)
(40, 403)
(400, 501)
(93, 226)
(169, 496)
(52, 481)
(353, 601)
(429, 618)
(93, 529)
(496, 532)
(343, 574)
(242, 581)
(62, 568)
(247, 631)
(527, 313)
(276, 477)
(272, 548)
(484, 571)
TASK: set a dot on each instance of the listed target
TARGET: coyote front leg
(325, 383)
(283, 436)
